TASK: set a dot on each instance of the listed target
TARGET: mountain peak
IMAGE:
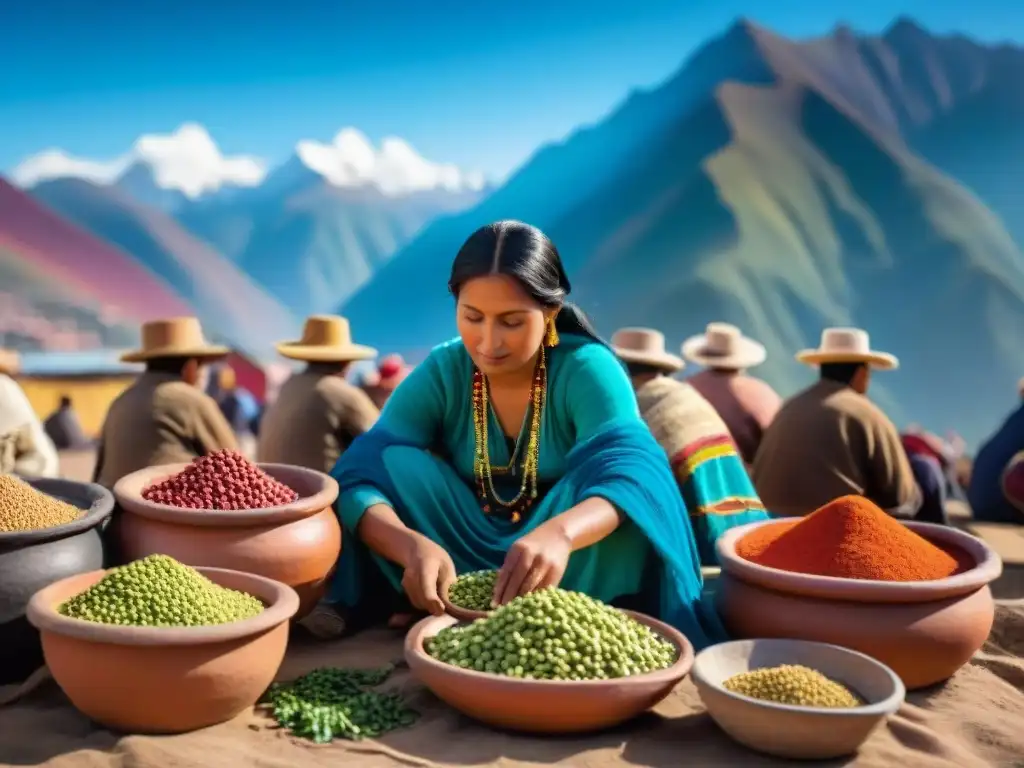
(904, 28)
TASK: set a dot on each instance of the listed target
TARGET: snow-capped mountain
(310, 231)
(159, 169)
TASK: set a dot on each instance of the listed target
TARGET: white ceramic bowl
(782, 730)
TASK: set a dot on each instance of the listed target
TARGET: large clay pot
(925, 631)
(31, 560)
(297, 544)
(544, 706)
(164, 679)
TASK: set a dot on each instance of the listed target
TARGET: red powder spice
(848, 538)
(222, 480)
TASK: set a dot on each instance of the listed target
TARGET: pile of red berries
(222, 480)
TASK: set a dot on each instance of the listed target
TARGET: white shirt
(15, 414)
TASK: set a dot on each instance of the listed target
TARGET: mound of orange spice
(848, 538)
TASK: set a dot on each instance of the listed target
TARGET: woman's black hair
(524, 252)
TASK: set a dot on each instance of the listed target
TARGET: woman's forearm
(382, 531)
(587, 523)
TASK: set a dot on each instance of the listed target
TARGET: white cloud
(187, 160)
(396, 168)
(56, 164)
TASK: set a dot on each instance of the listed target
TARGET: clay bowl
(782, 730)
(925, 631)
(297, 544)
(544, 706)
(462, 614)
(164, 680)
(30, 560)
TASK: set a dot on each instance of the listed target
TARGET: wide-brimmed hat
(645, 346)
(174, 337)
(847, 345)
(326, 339)
(10, 362)
(723, 346)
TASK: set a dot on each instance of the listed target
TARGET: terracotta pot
(925, 631)
(297, 544)
(544, 706)
(31, 560)
(164, 680)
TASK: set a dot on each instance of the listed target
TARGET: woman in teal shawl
(518, 446)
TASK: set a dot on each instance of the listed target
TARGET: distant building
(91, 379)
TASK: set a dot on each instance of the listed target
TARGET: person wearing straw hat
(165, 416)
(830, 440)
(317, 413)
(995, 473)
(746, 404)
(24, 446)
(711, 476)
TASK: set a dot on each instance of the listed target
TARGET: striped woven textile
(712, 477)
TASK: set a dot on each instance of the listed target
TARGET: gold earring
(551, 337)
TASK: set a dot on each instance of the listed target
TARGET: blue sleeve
(598, 391)
(415, 410)
(413, 414)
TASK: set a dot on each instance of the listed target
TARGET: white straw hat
(724, 346)
(645, 346)
(847, 345)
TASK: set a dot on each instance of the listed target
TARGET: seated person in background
(63, 427)
(710, 474)
(165, 416)
(379, 384)
(830, 440)
(986, 493)
(1013, 485)
(317, 413)
(519, 447)
(933, 462)
(746, 404)
(25, 448)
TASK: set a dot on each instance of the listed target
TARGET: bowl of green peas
(551, 661)
(471, 595)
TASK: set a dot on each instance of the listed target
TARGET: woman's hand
(429, 571)
(535, 561)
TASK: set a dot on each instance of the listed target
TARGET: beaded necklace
(482, 469)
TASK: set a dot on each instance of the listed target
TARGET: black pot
(31, 560)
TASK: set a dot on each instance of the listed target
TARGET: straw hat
(723, 346)
(10, 362)
(326, 339)
(645, 346)
(847, 345)
(174, 337)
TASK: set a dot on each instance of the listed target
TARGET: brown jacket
(159, 419)
(830, 441)
(315, 417)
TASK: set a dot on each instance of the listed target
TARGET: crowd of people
(530, 445)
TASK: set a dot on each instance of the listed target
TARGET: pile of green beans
(332, 703)
(554, 634)
(474, 591)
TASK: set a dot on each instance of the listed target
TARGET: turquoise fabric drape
(593, 443)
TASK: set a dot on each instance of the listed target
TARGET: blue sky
(481, 84)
